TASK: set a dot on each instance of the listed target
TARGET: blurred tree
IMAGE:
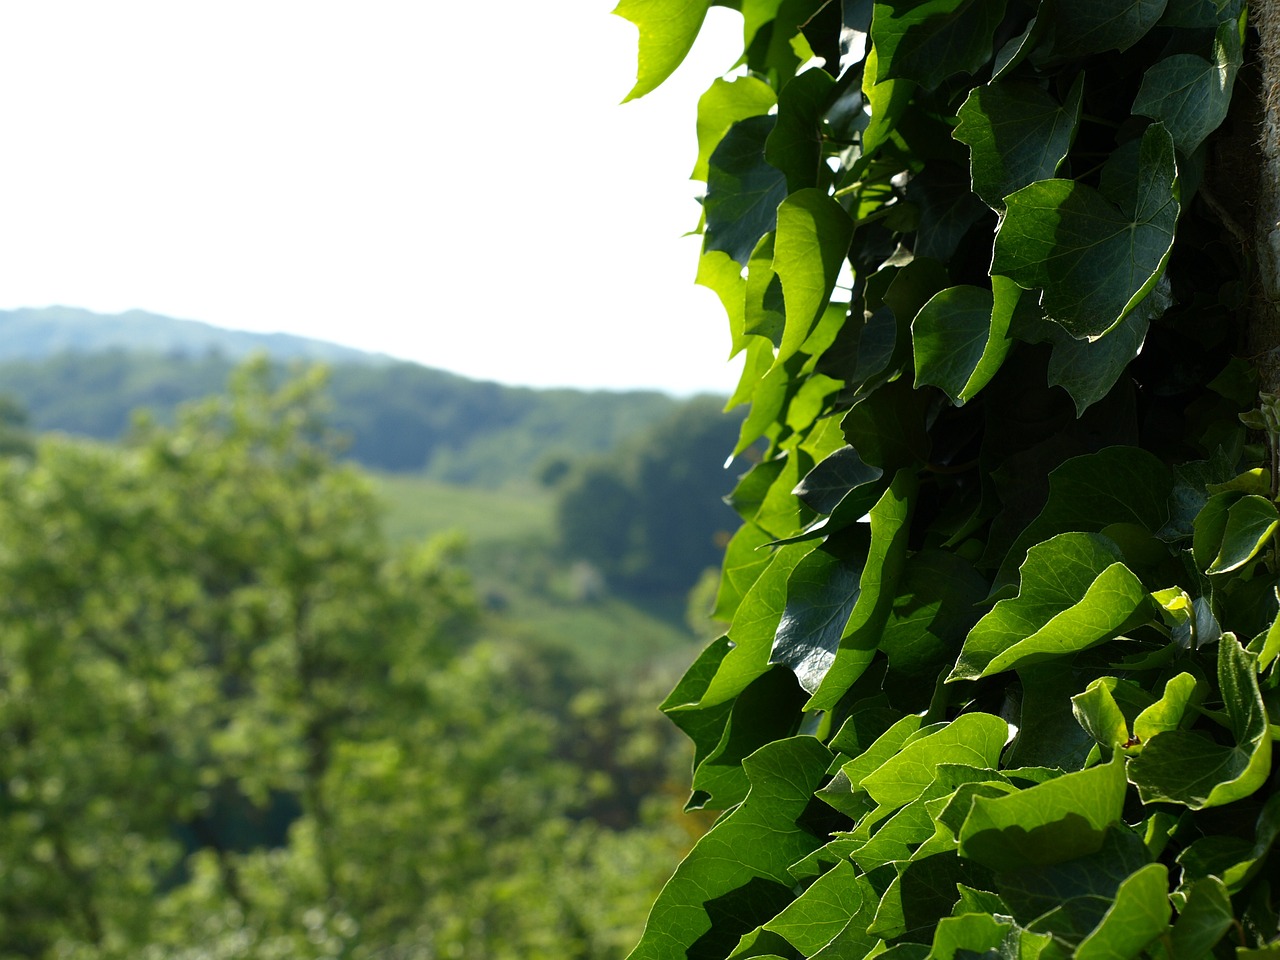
(234, 724)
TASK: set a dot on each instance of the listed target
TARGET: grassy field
(510, 540)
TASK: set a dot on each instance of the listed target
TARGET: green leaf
(972, 739)
(890, 522)
(1168, 712)
(724, 104)
(931, 40)
(1070, 898)
(667, 31)
(754, 626)
(819, 914)
(766, 710)
(1251, 521)
(743, 191)
(1092, 492)
(828, 484)
(821, 593)
(1074, 594)
(1189, 94)
(1094, 255)
(1139, 915)
(1187, 767)
(763, 311)
(1061, 819)
(1204, 920)
(748, 851)
(1017, 134)
(1097, 711)
(795, 145)
(1093, 26)
(960, 337)
(812, 240)
(744, 561)
(888, 100)
(973, 932)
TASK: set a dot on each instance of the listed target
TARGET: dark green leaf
(1203, 921)
(1017, 134)
(1094, 257)
(743, 190)
(931, 40)
(827, 484)
(876, 589)
(724, 104)
(821, 593)
(1190, 94)
(795, 145)
(1093, 26)
(961, 337)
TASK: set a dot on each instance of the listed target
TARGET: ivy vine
(1001, 672)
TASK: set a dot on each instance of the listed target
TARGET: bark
(1264, 320)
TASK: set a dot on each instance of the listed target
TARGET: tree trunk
(1264, 322)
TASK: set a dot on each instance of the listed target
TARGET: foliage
(647, 516)
(1000, 677)
(233, 723)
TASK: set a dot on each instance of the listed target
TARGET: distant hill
(36, 333)
(84, 373)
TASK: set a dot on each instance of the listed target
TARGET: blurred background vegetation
(357, 663)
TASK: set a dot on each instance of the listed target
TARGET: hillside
(398, 416)
(38, 333)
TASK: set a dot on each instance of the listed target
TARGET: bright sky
(450, 183)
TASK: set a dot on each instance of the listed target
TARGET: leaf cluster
(1000, 677)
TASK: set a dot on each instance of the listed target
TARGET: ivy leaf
(743, 190)
(724, 104)
(1070, 898)
(1189, 94)
(748, 852)
(1250, 523)
(667, 31)
(821, 593)
(1093, 26)
(1094, 491)
(744, 561)
(929, 41)
(795, 145)
(819, 914)
(812, 240)
(763, 712)
(1203, 921)
(1075, 593)
(1139, 915)
(975, 933)
(1166, 713)
(887, 100)
(753, 627)
(876, 589)
(834, 479)
(960, 337)
(972, 739)
(1058, 820)
(1187, 767)
(1094, 255)
(1017, 134)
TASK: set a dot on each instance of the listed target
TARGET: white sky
(450, 183)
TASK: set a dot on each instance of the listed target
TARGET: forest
(260, 702)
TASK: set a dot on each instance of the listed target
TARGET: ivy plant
(1000, 678)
